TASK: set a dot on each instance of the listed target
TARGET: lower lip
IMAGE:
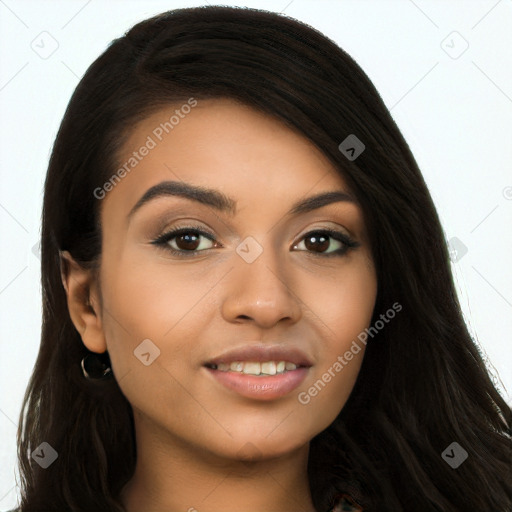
(261, 388)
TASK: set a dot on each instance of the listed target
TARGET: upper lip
(262, 353)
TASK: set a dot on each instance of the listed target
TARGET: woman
(248, 301)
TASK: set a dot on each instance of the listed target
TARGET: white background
(455, 113)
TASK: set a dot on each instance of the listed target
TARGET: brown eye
(185, 240)
(319, 242)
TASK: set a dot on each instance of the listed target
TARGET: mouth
(256, 368)
(260, 372)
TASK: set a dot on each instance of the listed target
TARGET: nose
(260, 292)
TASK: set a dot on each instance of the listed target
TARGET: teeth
(252, 368)
(236, 366)
(270, 368)
(255, 368)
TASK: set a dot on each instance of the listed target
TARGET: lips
(259, 387)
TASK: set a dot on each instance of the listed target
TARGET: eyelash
(163, 241)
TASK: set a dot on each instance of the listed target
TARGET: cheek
(151, 319)
(154, 314)
(343, 305)
(148, 299)
(344, 312)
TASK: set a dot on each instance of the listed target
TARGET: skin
(201, 446)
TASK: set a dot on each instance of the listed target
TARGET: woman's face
(251, 274)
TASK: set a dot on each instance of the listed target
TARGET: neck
(173, 477)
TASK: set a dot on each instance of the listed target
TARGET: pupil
(188, 240)
(319, 242)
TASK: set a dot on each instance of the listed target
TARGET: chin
(256, 448)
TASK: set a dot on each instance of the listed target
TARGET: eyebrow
(223, 203)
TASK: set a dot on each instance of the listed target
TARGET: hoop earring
(96, 366)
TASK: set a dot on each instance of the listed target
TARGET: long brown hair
(423, 384)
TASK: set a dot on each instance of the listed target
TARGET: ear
(83, 302)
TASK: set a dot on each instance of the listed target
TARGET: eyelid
(176, 230)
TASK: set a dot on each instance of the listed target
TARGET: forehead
(225, 145)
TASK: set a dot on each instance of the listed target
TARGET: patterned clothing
(345, 503)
